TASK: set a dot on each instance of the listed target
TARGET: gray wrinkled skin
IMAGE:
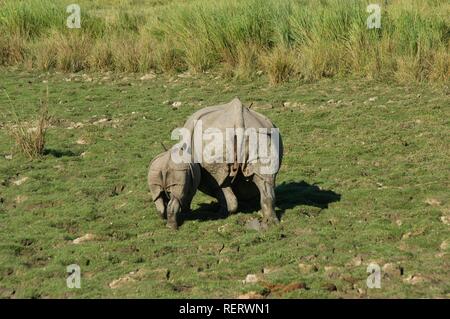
(172, 186)
(233, 182)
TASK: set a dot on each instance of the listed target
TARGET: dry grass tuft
(280, 64)
(29, 137)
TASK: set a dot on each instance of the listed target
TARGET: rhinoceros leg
(267, 197)
(227, 200)
(160, 207)
(230, 199)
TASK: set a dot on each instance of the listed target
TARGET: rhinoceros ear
(236, 101)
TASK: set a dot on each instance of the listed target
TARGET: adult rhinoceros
(238, 170)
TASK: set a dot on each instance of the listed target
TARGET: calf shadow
(205, 212)
(288, 195)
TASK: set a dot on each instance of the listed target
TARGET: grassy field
(365, 178)
(364, 116)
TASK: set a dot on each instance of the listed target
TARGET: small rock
(281, 289)
(415, 233)
(373, 99)
(20, 199)
(392, 270)
(307, 268)
(268, 270)
(251, 295)
(255, 224)
(103, 120)
(250, 279)
(6, 292)
(406, 235)
(414, 279)
(75, 125)
(357, 261)
(360, 291)
(445, 244)
(149, 76)
(331, 271)
(81, 141)
(176, 105)
(445, 220)
(9, 157)
(185, 75)
(160, 274)
(20, 181)
(263, 106)
(130, 277)
(330, 287)
(433, 202)
(223, 229)
(288, 288)
(292, 104)
(117, 283)
(82, 239)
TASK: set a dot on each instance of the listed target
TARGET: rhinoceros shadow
(288, 195)
(292, 194)
(61, 153)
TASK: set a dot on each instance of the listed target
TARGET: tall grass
(30, 18)
(286, 39)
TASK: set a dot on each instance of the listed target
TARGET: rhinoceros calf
(234, 181)
(173, 185)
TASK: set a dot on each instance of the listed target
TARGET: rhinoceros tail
(237, 113)
(237, 110)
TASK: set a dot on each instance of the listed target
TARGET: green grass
(365, 175)
(325, 39)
